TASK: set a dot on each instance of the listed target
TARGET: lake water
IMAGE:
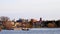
(33, 31)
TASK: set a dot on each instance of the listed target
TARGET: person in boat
(24, 26)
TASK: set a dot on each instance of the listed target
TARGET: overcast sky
(47, 9)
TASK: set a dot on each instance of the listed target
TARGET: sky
(27, 9)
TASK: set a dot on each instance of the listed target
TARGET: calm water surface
(33, 31)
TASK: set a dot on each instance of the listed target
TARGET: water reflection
(33, 31)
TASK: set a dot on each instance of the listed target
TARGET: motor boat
(25, 29)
